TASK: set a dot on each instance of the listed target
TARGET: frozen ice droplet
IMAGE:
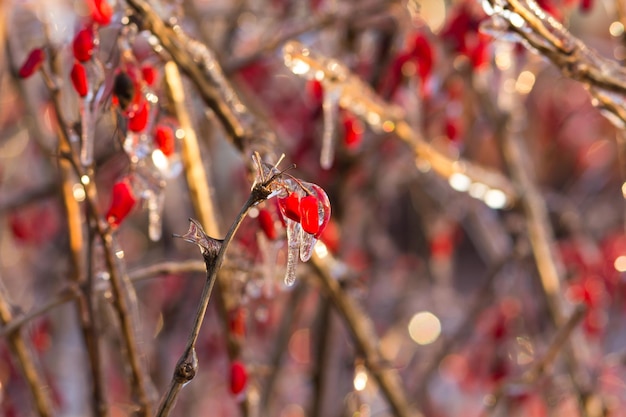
(293, 249)
(330, 106)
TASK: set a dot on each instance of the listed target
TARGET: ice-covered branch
(543, 34)
(20, 349)
(200, 64)
(354, 95)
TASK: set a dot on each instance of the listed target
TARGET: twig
(200, 191)
(360, 99)
(323, 330)
(119, 281)
(201, 196)
(542, 364)
(16, 322)
(568, 53)
(32, 375)
(24, 197)
(282, 340)
(202, 67)
(187, 365)
(464, 328)
(540, 233)
(177, 267)
(365, 338)
(84, 301)
(321, 21)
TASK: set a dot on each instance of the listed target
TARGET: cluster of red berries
(307, 205)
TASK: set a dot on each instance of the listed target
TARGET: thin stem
(201, 195)
(84, 302)
(187, 365)
(321, 21)
(480, 301)
(366, 340)
(541, 365)
(32, 375)
(280, 346)
(211, 84)
(118, 278)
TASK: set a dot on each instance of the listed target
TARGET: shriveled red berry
(79, 79)
(33, 62)
(149, 74)
(238, 377)
(165, 140)
(139, 119)
(124, 89)
(290, 206)
(266, 222)
(83, 45)
(101, 11)
(122, 202)
(309, 215)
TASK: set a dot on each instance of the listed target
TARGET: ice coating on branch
(87, 132)
(88, 108)
(304, 208)
(293, 248)
(156, 202)
(196, 234)
(330, 106)
(343, 88)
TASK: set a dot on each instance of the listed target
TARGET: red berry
(309, 215)
(353, 131)
(330, 236)
(315, 91)
(238, 377)
(480, 54)
(325, 202)
(83, 45)
(452, 130)
(33, 62)
(290, 206)
(586, 5)
(101, 11)
(139, 119)
(422, 52)
(165, 140)
(122, 203)
(267, 224)
(79, 79)
(149, 74)
(237, 322)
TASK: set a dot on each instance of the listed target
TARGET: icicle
(87, 131)
(330, 106)
(88, 82)
(87, 117)
(307, 243)
(293, 248)
(155, 215)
